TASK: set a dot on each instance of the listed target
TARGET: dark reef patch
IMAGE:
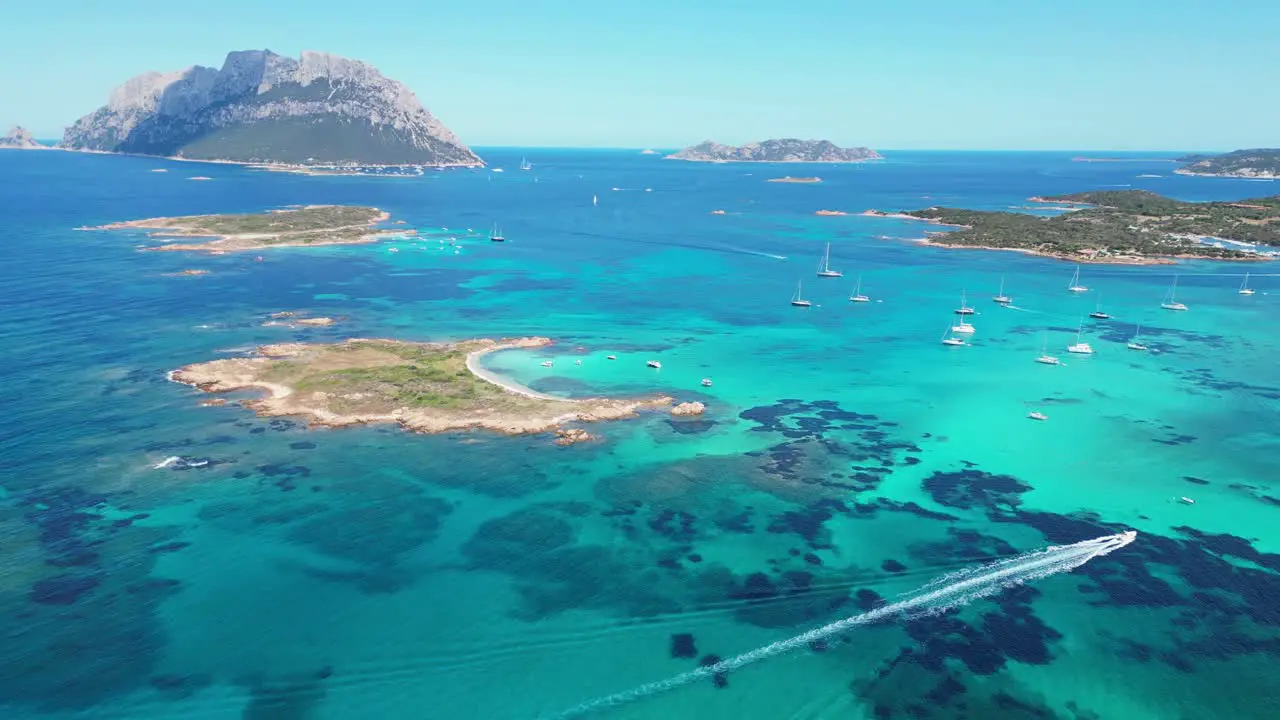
(683, 646)
(967, 489)
(63, 589)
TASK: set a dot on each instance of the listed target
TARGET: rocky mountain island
(319, 109)
(19, 138)
(785, 150)
(1256, 163)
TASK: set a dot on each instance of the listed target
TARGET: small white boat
(1037, 415)
(857, 295)
(1075, 286)
(1080, 348)
(594, 201)
(706, 382)
(393, 249)
(1171, 300)
(547, 363)
(962, 327)
(798, 301)
(612, 357)
(496, 170)
(1134, 343)
(1045, 358)
(963, 309)
(1000, 296)
(949, 339)
(577, 362)
(1186, 500)
(824, 270)
(654, 364)
(1244, 286)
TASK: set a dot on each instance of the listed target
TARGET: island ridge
(1261, 163)
(785, 150)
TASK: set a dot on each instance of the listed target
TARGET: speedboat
(1186, 500)
(577, 362)
(393, 249)
(706, 382)
(654, 364)
(1037, 415)
(547, 363)
(612, 357)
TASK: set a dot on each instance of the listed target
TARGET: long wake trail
(950, 591)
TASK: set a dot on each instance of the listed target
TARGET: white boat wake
(948, 591)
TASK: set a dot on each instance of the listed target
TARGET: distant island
(786, 150)
(319, 109)
(789, 179)
(1260, 163)
(18, 138)
(1114, 226)
(423, 387)
(309, 226)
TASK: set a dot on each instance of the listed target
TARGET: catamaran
(1000, 296)
(824, 270)
(1045, 358)
(963, 309)
(1171, 300)
(798, 301)
(1134, 344)
(857, 295)
(496, 234)
(1244, 286)
(1097, 313)
(1075, 285)
(1080, 348)
(962, 327)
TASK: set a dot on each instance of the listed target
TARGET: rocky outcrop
(572, 436)
(262, 107)
(688, 408)
(786, 150)
(19, 138)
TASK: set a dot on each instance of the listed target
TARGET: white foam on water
(949, 591)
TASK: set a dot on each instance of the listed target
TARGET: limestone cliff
(18, 137)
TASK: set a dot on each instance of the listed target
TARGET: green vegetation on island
(425, 387)
(291, 227)
(1255, 163)
(1127, 226)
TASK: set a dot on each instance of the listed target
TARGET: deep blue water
(846, 457)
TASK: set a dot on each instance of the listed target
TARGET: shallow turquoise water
(847, 455)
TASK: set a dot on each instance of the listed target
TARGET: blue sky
(1087, 74)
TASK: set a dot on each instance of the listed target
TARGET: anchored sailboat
(496, 234)
(963, 309)
(1000, 296)
(949, 339)
(1045, 358)
(1080, 348)
(798, 301)
(1244, 286)
(1134, 343)
(1075, 285)
(525, 164)
(824, 270)
(857, 295)
(1171, 300)
(1097, 313)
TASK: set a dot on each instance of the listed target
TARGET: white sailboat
(949, 339)
(963, 309)
(1075, 285)
(1080, 348)
(798, 301)
(594, 201)
(1244, 286)
(962, 327)
(1000, 296)
(1045, 358)
(525, 164)
(496, 234)
(857, 295)
(824, 270)
(1171, 300)
(1134, 343)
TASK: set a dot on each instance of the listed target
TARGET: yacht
(857, 295)
(1045, 358)
(1186, 500)
(962, 327)
(654, 364)
(1000, 296)
(824, 270)
(1037, 415)
(495, 235)
(706, 382)
(1075, 285)
(1080, 348)
(1171, 300)
(1134, 343)
(547, 363)
(1244, 286)
(797, 301)
(963, 309)
(612, 357)
(1097, 313)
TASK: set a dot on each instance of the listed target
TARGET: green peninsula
(1115, 226)
(291, 227)
(1256, 163)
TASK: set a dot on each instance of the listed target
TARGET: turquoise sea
(846, 457)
